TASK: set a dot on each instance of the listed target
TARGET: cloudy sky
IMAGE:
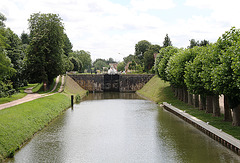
(111, 28)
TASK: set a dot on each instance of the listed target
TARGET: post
(72, 97)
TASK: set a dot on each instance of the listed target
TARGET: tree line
(39, 56)
(200, 73)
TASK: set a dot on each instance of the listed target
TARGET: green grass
(39, 87)
(19, 123)
(159, 91)
(72, 88)
(16, 96)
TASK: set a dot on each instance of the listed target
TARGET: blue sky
(111, 28)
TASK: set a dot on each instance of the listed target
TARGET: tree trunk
(209, 104)
(180, 94)
(202, 105)
(175, 92)
(227, 111)
(190, 98)
(196, 100)
(185, 95)
(216, 108)
(236, 116)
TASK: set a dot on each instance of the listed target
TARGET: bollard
(72, 97)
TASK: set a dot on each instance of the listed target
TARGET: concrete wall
(101, 82)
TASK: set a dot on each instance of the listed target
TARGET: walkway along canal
(121, 127)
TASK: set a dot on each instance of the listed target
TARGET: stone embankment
(217, 134)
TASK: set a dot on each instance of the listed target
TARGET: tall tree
(2, 19)
(84, 57)
(46, 47)
(67, 45)
(148, 59)
(25, 38)
(225, 75)
(140, 48)
(167, 41)
(193, 43)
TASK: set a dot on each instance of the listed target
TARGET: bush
(78, 98)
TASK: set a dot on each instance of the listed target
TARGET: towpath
(32, 96)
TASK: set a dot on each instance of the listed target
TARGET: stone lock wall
(132, 83)
(90, 82)
(115, 83)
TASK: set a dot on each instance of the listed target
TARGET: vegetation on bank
(159, 91)
(16, 96)
(19, 123)
(72, 88)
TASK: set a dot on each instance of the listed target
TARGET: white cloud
(145, 5)
(226, 12)
(107, 29)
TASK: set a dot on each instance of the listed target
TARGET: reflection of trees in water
(187, 144)
(111, 95)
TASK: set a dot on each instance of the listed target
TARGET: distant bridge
(113, 83)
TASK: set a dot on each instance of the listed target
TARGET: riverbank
(19, 123)
(160, 91)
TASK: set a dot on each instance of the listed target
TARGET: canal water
(121, 128)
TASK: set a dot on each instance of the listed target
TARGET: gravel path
(32, 96)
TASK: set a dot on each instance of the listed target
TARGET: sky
(111, 28)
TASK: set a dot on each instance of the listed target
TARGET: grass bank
(19, 123)
(18, 95)
(72, 88)
(159, 91)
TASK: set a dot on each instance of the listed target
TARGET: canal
(121, 127)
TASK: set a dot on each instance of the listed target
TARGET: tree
(25, 38)
(132, 65)
(140, 48)
(196, 43)
(176, 70)
(225, 75)
(129, 58)
(67, 45)
(167, 41)
(44, 56)
(77, 65)
(148, 59)
(84, 57)
(193, 43)
(67, 64)
(99, 64)
(110, 60)
(121, 66)
(198, 78)
(2, 19)
(163, 58)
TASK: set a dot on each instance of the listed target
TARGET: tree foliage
(84, 57)
(162, 61)
(148, 59)
(167, 42)
(46, 47)
(140, 48)
(121, 66)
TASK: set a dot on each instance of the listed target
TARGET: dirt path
(31, 96)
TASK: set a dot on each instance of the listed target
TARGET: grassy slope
(159, 91)
(72, 88)
(19, 123)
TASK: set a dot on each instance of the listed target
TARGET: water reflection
(111, 95)
(115, 127)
